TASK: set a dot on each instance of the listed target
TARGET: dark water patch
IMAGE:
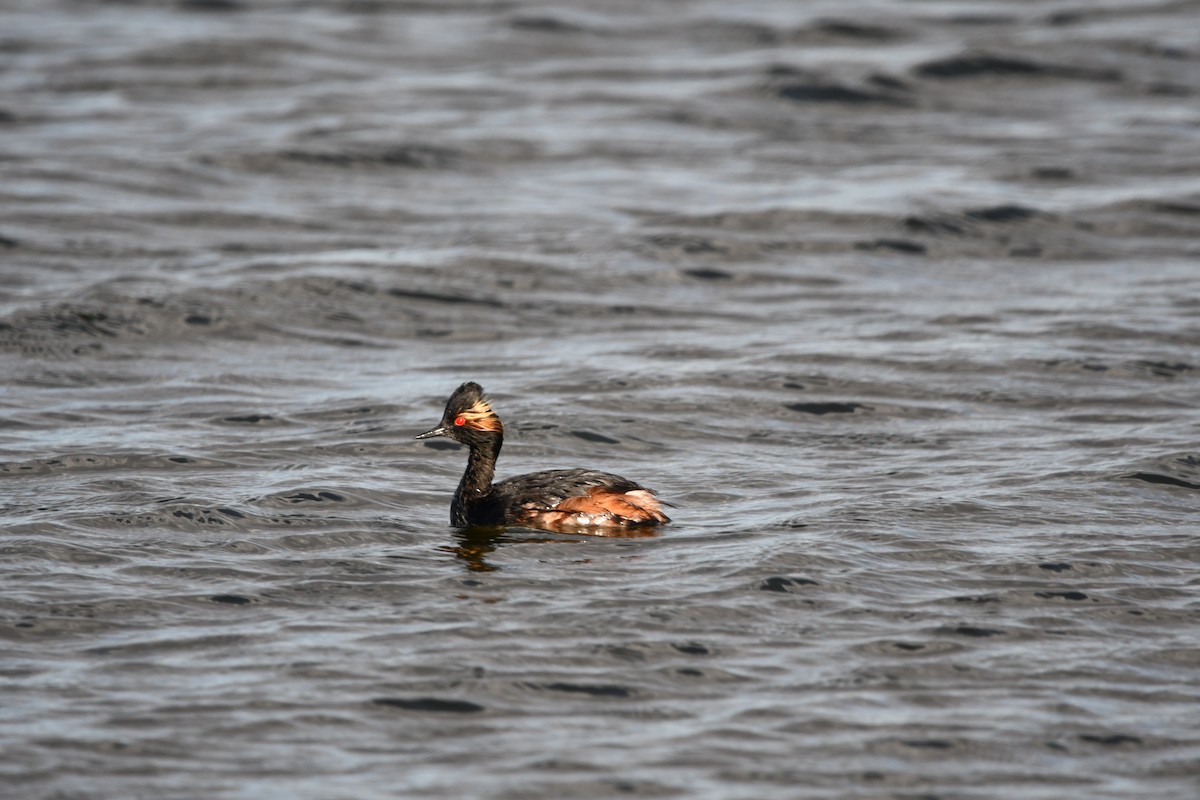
(1165, 89)
(1065, 595)
(1072, 365)
(398, 156)
(53, 551)
(1003, 213)
(1187, 209)
(173, 516)
(1161, 50)
(249, 419)
(445, 297)
(1181, 470)
(101, 462)
(1103, 419)
(831, 93)
(246, 547)
(1056, 566)
(1127, 369)
(889, 82)
(436, 705)
(982, 65)
(980, 19)
(849, 29)
(105, 322)
(684, 243)
(895, 245)
(1166, 369)
(624, 652)
(708, 274)
(1111, 740)
(645, 312)
(928, 744)
(68, 320)
(975, 632)
(8, 241)
(599, 438)
(590, 689)
(200, 517)
(1052, 173)
(40, 466)
(963, 320)
(976, 599)
(974, 65)
(820, 409)
(542, 23)
(692, 649)
(314, 497)
(1143, 217)
(890, 648)
(223, 6)
(1064, 18)
(231, 599)
(1168, 480)
(186, 644)
(782, 584)
(357, 419)
(932, 225)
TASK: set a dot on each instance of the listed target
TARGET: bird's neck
(477, 480)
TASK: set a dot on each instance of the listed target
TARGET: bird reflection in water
(475, 543)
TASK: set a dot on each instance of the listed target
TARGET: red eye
(459, 421)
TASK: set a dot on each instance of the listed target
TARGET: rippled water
(897, 303)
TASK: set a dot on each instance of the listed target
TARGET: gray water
(898, 304)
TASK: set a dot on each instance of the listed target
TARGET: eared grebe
(558, 499)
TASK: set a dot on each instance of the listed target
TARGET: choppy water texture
(898, 303)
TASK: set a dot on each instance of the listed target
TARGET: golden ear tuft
(481, 417)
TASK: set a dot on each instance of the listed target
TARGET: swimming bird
(565, 499)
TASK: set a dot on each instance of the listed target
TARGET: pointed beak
(441, 430)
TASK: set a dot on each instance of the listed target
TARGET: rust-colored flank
(600, 506)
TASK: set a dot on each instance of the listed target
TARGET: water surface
(897, 303)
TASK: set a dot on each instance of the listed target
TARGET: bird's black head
(468, 418)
